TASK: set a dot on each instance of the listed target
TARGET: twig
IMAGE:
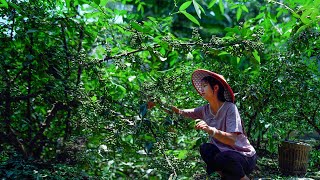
(281, 4)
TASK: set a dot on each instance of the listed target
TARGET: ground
(267, 168)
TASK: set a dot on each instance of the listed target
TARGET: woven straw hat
(199, 74)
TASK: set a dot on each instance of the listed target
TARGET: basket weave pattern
(293, 157)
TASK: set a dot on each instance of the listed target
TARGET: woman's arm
(190, 113)
(223, 137)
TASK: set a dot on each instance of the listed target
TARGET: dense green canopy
(77, 76)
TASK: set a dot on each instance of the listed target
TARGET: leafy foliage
(77, 76)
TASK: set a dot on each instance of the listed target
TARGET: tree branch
(65, 45)
(221, 47)
(22, 97)
(19, 73)
(51, 114)
(81, 36)
(311, 122)
(11, 135)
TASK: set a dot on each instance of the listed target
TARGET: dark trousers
(233, 165)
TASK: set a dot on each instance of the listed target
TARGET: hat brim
(199, 74)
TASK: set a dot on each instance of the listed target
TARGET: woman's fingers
(201, 124)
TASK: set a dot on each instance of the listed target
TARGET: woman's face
(206, 90)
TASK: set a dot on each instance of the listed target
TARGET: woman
(228, 151)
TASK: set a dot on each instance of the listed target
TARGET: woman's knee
(203, 148)
(208, 149)
(230, 165)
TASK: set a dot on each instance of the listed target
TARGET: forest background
(76, 76)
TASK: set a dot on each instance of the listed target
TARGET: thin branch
(312, 123)
(19, 73)
(65, 45)
(281, 4)
(315, 112)
(28, 113)
(51, 114)
(81, 36)
(154, 47)
(22, 97)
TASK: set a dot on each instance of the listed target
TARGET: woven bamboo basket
(293, 157)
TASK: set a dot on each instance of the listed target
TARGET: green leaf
(4, 4)
(235, 6)
(221, 6)
(103, 2)
(239, 12)
(68, 3)
(244, 7)
(238, 60)
(305, 16)
(185, 5)
(15, 6)
(223, 53)
(97, 2)
(190, 17)
(196, 7)
(211, 3)
(201, 8)
(301, 29)
(137, 26)
(94, 98)
(81, 2)
(256, 55)
(128, 139)
(182, 154)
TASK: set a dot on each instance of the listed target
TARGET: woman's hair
(212, 82)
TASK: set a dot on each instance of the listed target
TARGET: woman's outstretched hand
(151, 104)
(168, 109)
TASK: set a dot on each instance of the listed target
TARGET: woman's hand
(168, 109)
(224, 137)
(202, 125)
(151, 104)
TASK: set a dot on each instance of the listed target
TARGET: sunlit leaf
(94, 98)
(238, 60)
(4, 4)
(235, 6)
(190, 17)
(103, 2)
(256, 55)
(68, 3)
(244, 7)
(196, 7)
(223, 53)
(182, 154)
(239, 12)
(221, 6)
(212, 3)
(185, 5)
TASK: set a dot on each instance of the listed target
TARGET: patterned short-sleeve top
(227, 119)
